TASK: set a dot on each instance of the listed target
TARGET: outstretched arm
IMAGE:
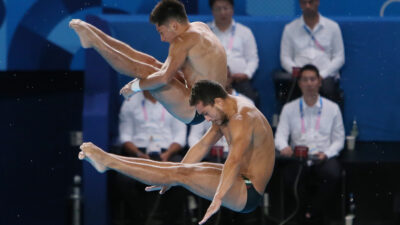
(241, 131)
(178, 53)
(201, 148)
(176, 57)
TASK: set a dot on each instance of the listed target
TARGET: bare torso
(258, 160)
(206, 58)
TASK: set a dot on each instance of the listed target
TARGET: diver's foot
(94, 155)
(83, 31)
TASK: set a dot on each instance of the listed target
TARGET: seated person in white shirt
(146, 128)
(148, 131)
(314, 39)
(315, 122)
(239, 43)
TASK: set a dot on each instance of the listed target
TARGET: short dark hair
(309, 67)
(206, 91)
(167, 9)
(211, 2)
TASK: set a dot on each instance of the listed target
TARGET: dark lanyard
(303, 128)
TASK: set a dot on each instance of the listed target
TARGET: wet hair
(211, 2)
(206, 91)
(168, 9)
(309, 67)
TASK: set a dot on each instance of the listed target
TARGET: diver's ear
(219, 102)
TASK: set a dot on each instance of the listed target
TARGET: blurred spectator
(148, 131)
(315, 122)
(239, 43)
(314, 39)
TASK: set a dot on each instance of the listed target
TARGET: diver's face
(167, 32)
(212, 113)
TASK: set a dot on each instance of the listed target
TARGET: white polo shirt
(240, 46)
(298, 47)
(328, 137)
(143, 122)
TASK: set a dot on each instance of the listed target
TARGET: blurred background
(54, 94)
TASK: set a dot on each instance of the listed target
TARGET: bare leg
(122, 47)
(171, 96)
(199, 179)
(175, 98)
(141, 160)
(117, 59)
(125, 48)
(166, 164)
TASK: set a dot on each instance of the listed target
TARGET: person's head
(309, 80)
(208, 97)
(169, 16)
(222, 11)
(309, 7)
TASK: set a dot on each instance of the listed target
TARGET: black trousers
(331, 90)
(317, 184)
